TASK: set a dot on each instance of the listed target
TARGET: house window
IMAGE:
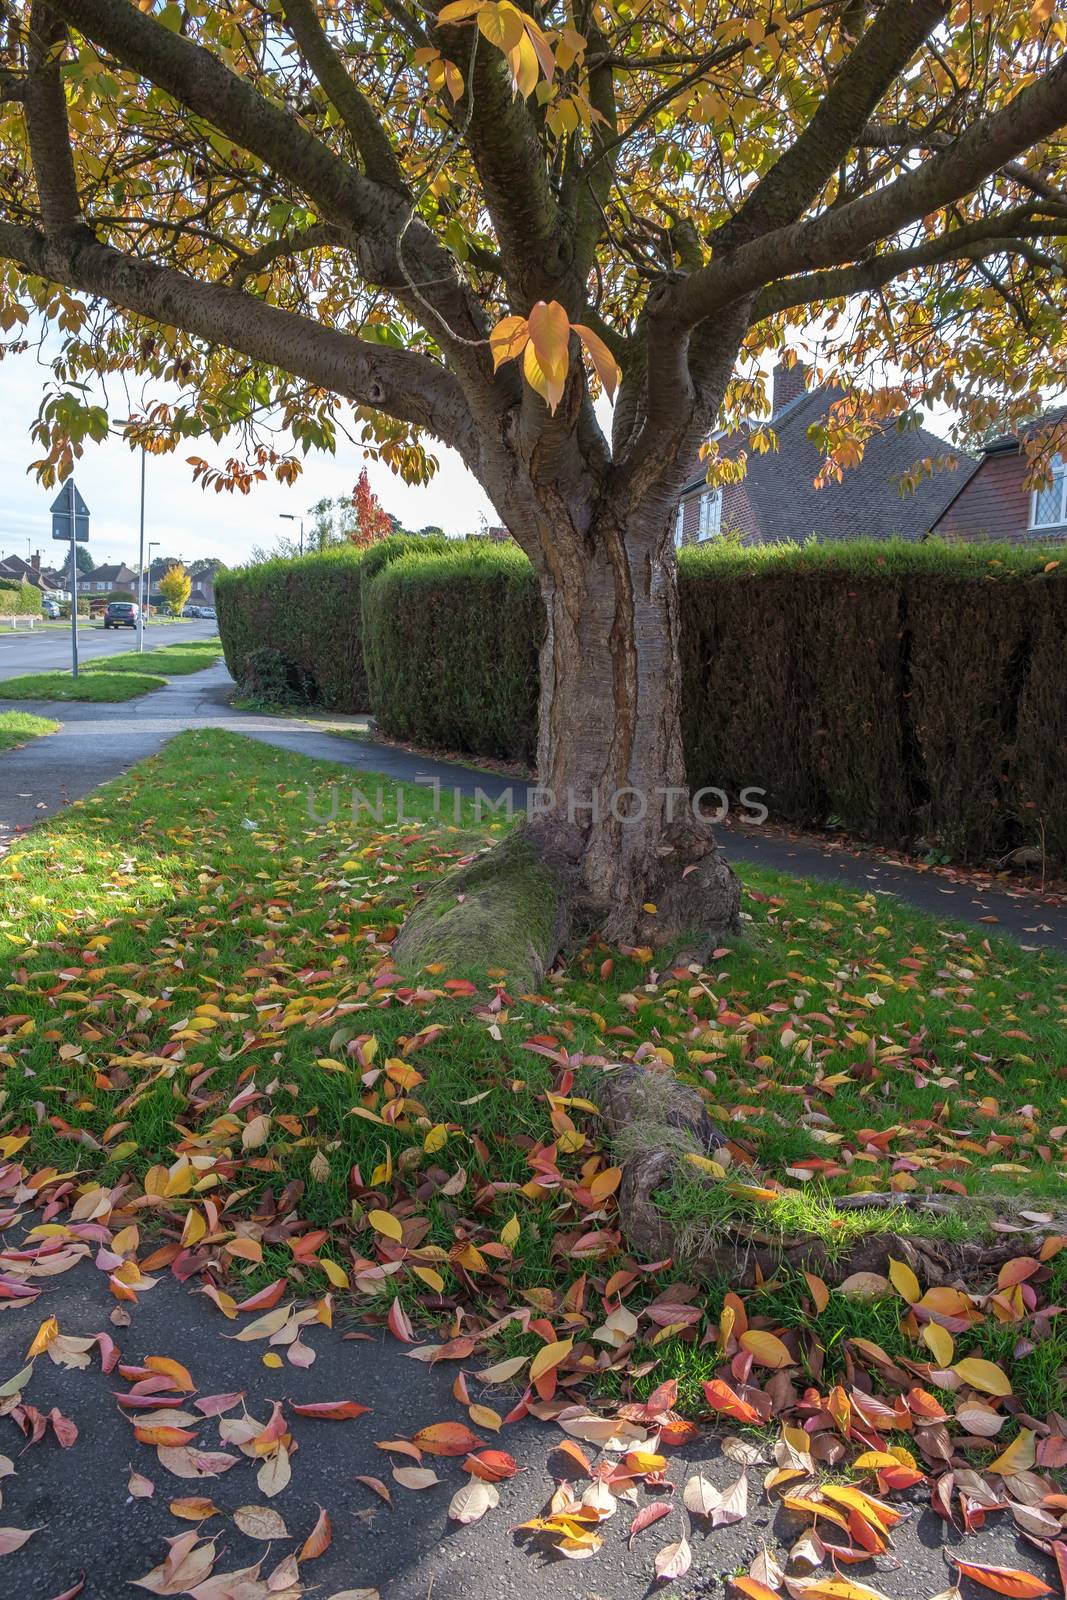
(710, 513)
(679, 526)
(1048, 506)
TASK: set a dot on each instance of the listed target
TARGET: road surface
(50, 649)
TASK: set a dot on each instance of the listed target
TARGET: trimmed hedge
(19, 598)
(309, 609)
(451, 640)
(906, 692)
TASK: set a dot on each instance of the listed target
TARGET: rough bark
(614, 802)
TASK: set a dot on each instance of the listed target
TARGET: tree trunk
(613, 805)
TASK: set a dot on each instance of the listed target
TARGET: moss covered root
(505, 911)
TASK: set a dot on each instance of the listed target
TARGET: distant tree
(204, 567)
(430, 528)
(373, 522)
(176, 586)
(83, 559)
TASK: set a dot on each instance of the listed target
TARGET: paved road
(50, 648)
(97, 742)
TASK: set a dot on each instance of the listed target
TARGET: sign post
(70, 520)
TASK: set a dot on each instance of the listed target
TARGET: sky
(184, 519)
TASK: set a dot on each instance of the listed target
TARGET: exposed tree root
(655, 1121)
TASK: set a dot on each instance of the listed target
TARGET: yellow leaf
(436, 1139)
(384, 1222)
(48, 1331)
(1019, 1456)
(606, 367)
(550, 1357)
(765, 1348)
(508, 339)
(485, 1417)
(938, 1341)
(983, 1375)
(336, 1274)
(510, 1233)
(904, 1281)
(271, 1359)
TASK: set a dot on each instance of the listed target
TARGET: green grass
(16, 727)
(93, 684)
(168, 659)
(190, 930)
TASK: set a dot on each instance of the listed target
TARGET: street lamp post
(140, 565)
(153, 544)
(290, 516)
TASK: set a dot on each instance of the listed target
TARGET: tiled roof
(867, 503)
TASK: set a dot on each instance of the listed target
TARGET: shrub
(19, 599)
(270, 678)
(310, 610)
(451, 636)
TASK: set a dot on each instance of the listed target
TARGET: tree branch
(800, 174)
(378, 155)
(370, 215)
(1007, 234)
(407, 386)
(838, 236)
(292, 244)
(45, 107)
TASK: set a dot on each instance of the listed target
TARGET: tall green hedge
(907, 692)
(451, 640)
(310, 610)
(19, 599)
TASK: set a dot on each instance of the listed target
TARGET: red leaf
(330, 1410)
(647, 1516)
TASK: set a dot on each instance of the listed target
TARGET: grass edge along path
(98, 686)
(19, 727)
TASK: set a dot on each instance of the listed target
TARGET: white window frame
(710, 514)
(679, 526)
(1059, 469)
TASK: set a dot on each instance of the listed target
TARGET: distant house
(30, 570)
(777, 501)
(994, 502)
(108, 580)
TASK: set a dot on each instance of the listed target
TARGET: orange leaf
(446, 1439)
(721, 1397)
(1005, 1580)
(318, 1540)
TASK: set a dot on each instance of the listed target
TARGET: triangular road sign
(69, 500)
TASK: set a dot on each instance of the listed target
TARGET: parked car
(191, 611)
(121, 614)
(50, 609)
(208, 614)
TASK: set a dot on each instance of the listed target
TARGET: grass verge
(169, 659)
(18, 727)
(96, 685)
(201, 1003)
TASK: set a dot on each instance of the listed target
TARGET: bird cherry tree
(462, 222)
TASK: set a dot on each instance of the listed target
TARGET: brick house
(994, 501)
(108, 580)
(776, 501)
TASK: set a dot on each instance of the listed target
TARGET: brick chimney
(788, 383)
(35, 561)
